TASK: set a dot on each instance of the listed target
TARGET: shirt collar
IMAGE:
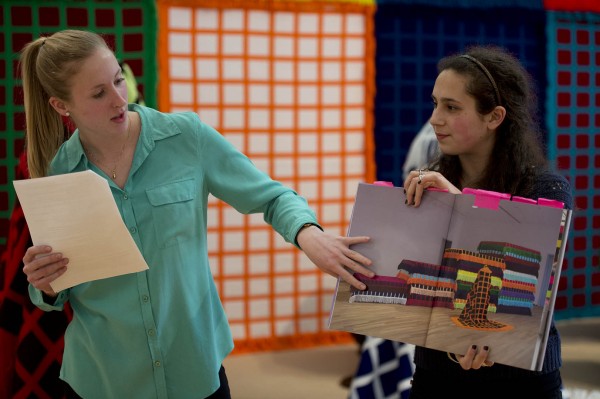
(154, 128)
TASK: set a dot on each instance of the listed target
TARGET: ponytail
(44, 128)
(47, 64)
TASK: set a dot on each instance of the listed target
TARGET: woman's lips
(119, 118)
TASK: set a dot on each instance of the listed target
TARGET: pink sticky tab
(384, 183)
(524, 200)
(486, 199)
(550, 203)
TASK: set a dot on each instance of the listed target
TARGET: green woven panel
(129, 27)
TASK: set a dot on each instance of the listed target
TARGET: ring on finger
(420, 177)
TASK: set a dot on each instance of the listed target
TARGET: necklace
(113, 170)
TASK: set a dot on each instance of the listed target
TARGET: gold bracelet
(307, 225)
(452, 357)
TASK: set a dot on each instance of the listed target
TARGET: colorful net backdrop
(129, 28)
(410, 42)
(573, 119)
(561, 51)
(291, 85)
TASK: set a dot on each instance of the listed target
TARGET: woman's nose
(435, 118)
(119, 99)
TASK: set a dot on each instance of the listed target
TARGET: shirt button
(157, 363)
(132, 230)
(150, 332)
(126, 197)
(145, 298)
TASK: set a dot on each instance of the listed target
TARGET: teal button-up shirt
(163, 333)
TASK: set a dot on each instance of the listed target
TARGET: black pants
(221, 393)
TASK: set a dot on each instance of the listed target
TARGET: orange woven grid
(291, 84)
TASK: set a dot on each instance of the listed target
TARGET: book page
(402, 237)
(76, 215)
(503, 260)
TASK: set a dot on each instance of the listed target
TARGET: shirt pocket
(174, 212)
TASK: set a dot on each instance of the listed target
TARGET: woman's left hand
(474, 359)
(418, 180)
(332, 254)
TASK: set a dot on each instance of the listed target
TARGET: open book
(473, 268)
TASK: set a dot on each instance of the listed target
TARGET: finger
(43, 283)
(352, 254)
(466, 361)
(411, 175)
(33, 252)
(353, 267)
(42, 261)
(355, 240)
(410, 191)
(350, 279)
(47, 274)
(355, 262)
(46, 269)
(419, 188)
(480, 358)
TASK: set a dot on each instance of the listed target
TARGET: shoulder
(551, 185)
(167, 118)
(157, 125)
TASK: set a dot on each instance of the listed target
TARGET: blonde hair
(47, 64)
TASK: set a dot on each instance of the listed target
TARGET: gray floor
(581, 357)
(316, 373)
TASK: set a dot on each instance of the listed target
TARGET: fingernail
(485, 348)
(474, 347)
(362, 286)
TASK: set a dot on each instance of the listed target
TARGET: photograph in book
(459, 270)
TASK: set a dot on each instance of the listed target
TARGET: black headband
(487, 73)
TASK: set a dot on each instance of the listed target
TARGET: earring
(67, 114)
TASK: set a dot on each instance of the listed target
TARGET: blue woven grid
(411, 39)
(573, 100)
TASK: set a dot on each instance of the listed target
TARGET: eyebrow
(445, 99)
(102, 84)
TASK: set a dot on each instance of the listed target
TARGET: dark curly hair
(517, 156)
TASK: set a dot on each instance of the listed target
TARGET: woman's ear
(496, 117)
(59, 106)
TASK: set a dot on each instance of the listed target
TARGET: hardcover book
(477, 268)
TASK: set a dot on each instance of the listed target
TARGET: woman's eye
(98, 95)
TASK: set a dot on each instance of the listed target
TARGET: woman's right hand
(419, 180)
(42, 267)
